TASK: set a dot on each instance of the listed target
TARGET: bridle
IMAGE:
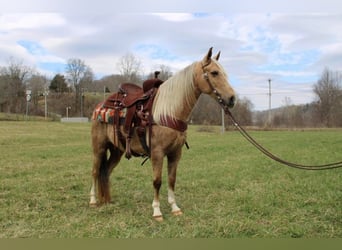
(219, 98)
(249, 138)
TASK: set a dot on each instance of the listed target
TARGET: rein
(244, 133)
(249, 138)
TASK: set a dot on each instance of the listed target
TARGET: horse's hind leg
(115, 157)
(102, 169)
(99, 157)
(173, 160)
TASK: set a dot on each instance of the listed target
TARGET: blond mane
(174, 94)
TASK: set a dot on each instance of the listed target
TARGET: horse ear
(217, 56)
(207, 58)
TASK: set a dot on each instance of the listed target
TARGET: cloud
(175, 17)
(291, 49)
(29, 21)
(189, 6)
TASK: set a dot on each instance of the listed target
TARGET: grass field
(225, 187)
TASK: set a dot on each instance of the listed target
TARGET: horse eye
(214, 73)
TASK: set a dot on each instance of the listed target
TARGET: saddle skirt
(106, 115)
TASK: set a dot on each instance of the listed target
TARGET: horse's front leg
(157, 165)
(173, 160)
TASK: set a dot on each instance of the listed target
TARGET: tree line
(324, 111)
(76, 91)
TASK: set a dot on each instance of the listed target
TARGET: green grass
(226, 188)
(21, 117)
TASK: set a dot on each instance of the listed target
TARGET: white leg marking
(172, 201)
(156, 210)
(93, 194)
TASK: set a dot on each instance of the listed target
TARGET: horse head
(211, 79)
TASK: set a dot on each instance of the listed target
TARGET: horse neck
(177, 96)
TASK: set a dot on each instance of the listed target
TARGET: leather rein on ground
(249, 138)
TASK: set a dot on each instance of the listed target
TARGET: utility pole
(46, 93)
(269, 102)
(28, 99)
(81, 102)
(67, 112)
(222, 117)
(82, 96)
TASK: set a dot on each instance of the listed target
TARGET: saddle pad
(106, 115)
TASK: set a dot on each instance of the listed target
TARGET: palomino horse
(175, 98)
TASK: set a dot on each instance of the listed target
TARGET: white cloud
(290, 48)
(29, 21)
(175, 17)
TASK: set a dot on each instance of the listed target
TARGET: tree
(4, 93)
(290, 115)
(13, 80)
(209, 112)
(206, 111)
(109, 83)
(38, 86)
(165, 72)
(77, 71)
(58, 84)
(242, 111)
(87, 79)
(328, 90)
(129, 67)
(285, 116)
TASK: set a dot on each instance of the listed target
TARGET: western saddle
(137, 103)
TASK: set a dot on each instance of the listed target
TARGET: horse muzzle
(225, 102)
(230, 102)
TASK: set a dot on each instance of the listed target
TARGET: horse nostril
(231, 102)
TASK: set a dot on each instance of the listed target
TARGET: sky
(290, 43)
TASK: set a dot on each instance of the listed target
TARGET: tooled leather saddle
(137, 102)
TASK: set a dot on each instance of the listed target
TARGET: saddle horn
(156, 73)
